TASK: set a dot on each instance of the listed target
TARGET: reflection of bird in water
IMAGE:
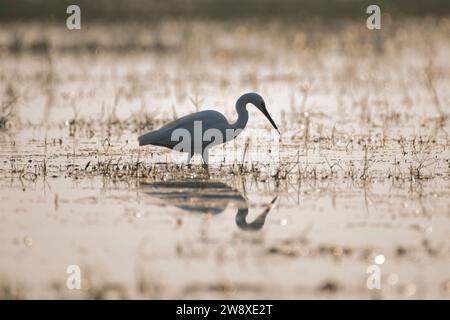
(212, 123)
(205, 196)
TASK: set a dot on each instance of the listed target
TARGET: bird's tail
(148, 138)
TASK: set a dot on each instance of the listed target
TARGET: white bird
(200, 128)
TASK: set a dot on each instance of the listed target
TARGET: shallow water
(359, 176)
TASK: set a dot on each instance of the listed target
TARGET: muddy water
(358, 179)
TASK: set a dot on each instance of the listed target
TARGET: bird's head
(258, 102)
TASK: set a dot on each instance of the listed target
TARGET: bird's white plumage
(210, 120)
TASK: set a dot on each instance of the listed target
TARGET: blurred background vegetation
(156, 10)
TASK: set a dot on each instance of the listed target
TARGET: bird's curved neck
(242, 112)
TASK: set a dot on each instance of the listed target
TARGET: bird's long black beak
(266, 113)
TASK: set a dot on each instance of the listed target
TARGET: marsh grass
(8, 106)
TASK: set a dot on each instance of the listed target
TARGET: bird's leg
(188, 160)
(189, 157)
(205, 159)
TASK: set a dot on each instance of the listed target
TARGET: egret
(198, 129)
